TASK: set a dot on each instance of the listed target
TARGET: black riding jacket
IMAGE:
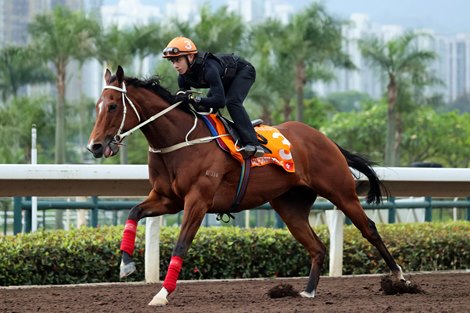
(215, 72)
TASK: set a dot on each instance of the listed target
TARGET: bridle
(120, 136)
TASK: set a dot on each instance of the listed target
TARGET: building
(365, 79)
(128, 13)
(255, 11)
(459, 51)
(15, 17)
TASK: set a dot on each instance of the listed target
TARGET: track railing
(132, 180)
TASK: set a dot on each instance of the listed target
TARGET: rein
(119, 137)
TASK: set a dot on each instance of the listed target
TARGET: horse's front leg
(192, 219)
(154, 205)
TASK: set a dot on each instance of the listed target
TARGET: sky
(444, 16)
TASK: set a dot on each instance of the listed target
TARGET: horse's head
(115, 114)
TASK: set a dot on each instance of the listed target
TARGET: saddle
(230, 128)
(276, 146)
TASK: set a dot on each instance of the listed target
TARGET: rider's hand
(183, 96)
(190, 98)
(201, 108)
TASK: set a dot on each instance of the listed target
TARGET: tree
(441, 138)
(429, 136)
(146, 40)
(347, 101)
(17, 119)
(362, 131)
(114, 47)
(274, 79)
(402, 62)
(59, 37)
(219, 31)
(313, 42)
(462, 103)
(20, 67)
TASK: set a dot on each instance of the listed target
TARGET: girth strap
(241, 189)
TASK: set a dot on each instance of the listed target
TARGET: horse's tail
(364, 166)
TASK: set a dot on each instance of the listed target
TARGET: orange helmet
(179, 46)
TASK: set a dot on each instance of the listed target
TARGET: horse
(195, 176)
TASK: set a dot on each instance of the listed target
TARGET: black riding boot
(248, 137)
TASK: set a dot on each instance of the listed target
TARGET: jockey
(228, 77)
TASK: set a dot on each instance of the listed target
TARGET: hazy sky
(444, 16)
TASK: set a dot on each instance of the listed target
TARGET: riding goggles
(174, 51)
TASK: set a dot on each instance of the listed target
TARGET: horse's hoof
(406, 282)
(126, 269)
(157, 301)
(305, 294)
(160, 298)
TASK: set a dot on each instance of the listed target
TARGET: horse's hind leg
(352, 208)
(294, 208)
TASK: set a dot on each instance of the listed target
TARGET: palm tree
(19, 67)
(403, 63)
(114, 47)
(146, 40)
(274, 79)
(219, 31)
(313, 43)
(59, 38)
(16, 121)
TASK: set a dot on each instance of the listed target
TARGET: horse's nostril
(96, 148)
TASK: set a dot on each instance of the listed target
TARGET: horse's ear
(107, 76)
(120, 74)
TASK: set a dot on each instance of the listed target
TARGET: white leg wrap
(160, 298)
(305, 294)
(399, 275)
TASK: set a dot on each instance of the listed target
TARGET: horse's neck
(167, 130)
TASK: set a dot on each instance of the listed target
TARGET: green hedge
(92, 255)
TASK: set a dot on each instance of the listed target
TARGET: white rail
(132, 180)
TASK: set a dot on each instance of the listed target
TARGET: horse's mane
(152, 83)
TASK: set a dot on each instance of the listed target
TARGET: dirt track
(445, 292)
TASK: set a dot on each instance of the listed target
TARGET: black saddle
(230, 127)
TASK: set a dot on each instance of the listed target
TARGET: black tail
(364, 166)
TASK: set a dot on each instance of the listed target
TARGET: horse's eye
(112, 107)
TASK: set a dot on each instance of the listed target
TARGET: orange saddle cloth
(277, 143)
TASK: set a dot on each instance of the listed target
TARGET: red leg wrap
(128, 237)
(173, 272)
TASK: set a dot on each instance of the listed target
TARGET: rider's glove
(190, 98)
(198, 106)
(183, 96)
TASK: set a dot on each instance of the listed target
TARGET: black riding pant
(234, 97)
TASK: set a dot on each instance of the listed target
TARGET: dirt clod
(282, 291)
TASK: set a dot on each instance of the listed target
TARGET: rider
(228, 77)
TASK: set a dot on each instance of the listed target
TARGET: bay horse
(201, 178)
